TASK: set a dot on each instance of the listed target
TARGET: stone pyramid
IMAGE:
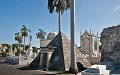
(60, 59)
(35, 63)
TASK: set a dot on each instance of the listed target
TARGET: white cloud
(117, 8)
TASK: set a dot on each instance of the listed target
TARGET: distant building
(89, 45)
(45, 42)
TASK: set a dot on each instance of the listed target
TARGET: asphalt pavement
(8, 69)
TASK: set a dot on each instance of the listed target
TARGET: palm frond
(41, 34)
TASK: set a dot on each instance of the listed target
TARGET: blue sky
(94, 14)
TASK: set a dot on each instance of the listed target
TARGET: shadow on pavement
(26, 68)
(44, 74)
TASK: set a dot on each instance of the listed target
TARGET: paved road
(8, 69)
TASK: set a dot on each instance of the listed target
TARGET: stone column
(35, 54)
(19, 55)
(13, 55)
(15, 50)
(40, 65)
(30, 53)
(48, 58)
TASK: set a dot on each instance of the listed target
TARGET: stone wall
(110, 40)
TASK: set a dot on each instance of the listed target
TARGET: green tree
(60, 5)
(24, 32)
(7, 45)
(41, 34)
(18, 38)
(7, 50)
(14, 46)
(35, 49)
(26, 47)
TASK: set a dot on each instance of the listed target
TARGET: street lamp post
(73, 67)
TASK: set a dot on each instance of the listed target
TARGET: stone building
(46, 51)
(56, 55)
(42, 60)
(110, 53)
(50, 36)
(89, 43)
(90, 46)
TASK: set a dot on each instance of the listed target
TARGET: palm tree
(41, 34)
(73, 67)
(18, 38)
(24, 32)
(60, 5)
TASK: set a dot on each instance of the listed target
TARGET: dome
(51, 35)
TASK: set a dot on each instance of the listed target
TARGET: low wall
(11, 61)
(19, 62)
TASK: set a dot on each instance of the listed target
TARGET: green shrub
(7, 50)
(18, 50)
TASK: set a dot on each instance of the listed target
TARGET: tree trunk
(18, 44)
(24, 44)
(60, 21)
(73, 67)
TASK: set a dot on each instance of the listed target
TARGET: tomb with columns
(55, 54)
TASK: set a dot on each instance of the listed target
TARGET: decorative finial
(90, 30)
(97, 33)
(80, 32)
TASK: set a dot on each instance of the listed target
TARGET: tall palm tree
(60, 5)
(24, 32)
(73, 67)
(18, 38)
(41, 34)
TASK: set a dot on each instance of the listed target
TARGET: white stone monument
(96, 70)
(14, 51)
(30, 52)
(0, 46)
